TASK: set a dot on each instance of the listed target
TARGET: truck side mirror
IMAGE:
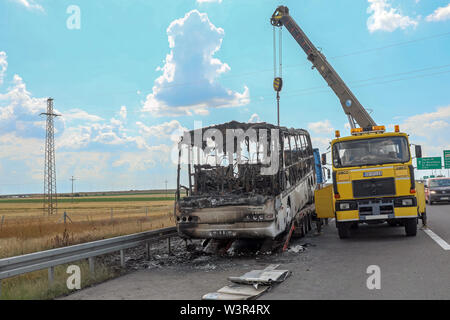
(324, 159)
(418, 151)
(328, 174)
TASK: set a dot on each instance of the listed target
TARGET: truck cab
(373, 181)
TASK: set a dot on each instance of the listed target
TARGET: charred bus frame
(249, 185)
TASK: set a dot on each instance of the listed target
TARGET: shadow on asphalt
(380, 232)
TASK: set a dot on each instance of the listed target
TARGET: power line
(354, 53)
(378, 77)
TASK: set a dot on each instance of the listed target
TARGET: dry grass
(25, 229)
(35, 285)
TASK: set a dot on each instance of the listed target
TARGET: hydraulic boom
(352, 107)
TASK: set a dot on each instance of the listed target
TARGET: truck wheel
(343, 230)
(424, 219)
(411, 227)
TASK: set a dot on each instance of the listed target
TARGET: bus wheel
(343, 230)
(411, 227)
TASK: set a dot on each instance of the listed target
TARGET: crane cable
(278, 80)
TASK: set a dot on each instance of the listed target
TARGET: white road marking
(437, 239)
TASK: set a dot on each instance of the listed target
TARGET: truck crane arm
(352, 107)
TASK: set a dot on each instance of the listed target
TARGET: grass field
(25, 229)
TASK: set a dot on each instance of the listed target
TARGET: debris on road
(250, 285)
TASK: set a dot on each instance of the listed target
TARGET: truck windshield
(440, 183)
(372, 151)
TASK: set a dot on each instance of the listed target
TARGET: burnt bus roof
(244, 126)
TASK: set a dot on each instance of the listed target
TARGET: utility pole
(166, 186)
(72, 179)
(50, 195)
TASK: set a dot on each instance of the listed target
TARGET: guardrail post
(147, 250)
(51, 275)
(122, 258)
(92, 266)
(168, 245)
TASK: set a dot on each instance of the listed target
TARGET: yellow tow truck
(373, 182)
(373, 175)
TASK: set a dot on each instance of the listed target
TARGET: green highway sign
(432, 176)
(425, 177)
(429, 163)
(447, 159)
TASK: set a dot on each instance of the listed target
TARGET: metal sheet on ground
(249, 286)
(261, 277)
(236, 292)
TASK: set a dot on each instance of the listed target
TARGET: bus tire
(411, 227)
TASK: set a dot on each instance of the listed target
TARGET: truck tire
(424, 219)
(411, 227)
(343, 230)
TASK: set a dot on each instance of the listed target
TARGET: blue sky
(137, 71)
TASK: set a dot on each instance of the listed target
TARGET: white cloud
(3, 66)
(386, 18)
(189, 84)
(254, 118)
(320, 142)
(19, 111)
(208, 1)
(172, 129)
(87, 146)
(30, 4)
(429, 129)
(440, 14)
(78, 114)
(321, 127)
(123, 112)
(85, 165)
(140, 161)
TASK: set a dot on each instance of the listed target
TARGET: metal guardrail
(17, 265)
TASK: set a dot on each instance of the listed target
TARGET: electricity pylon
(50, 196)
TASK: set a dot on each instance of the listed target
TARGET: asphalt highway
(330, 268)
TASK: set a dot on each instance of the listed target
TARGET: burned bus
(242, 180)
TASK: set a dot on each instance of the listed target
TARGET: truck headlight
(344, 206)
(407, 202)
(432, 192)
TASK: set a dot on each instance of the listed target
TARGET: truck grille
(374, 187)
